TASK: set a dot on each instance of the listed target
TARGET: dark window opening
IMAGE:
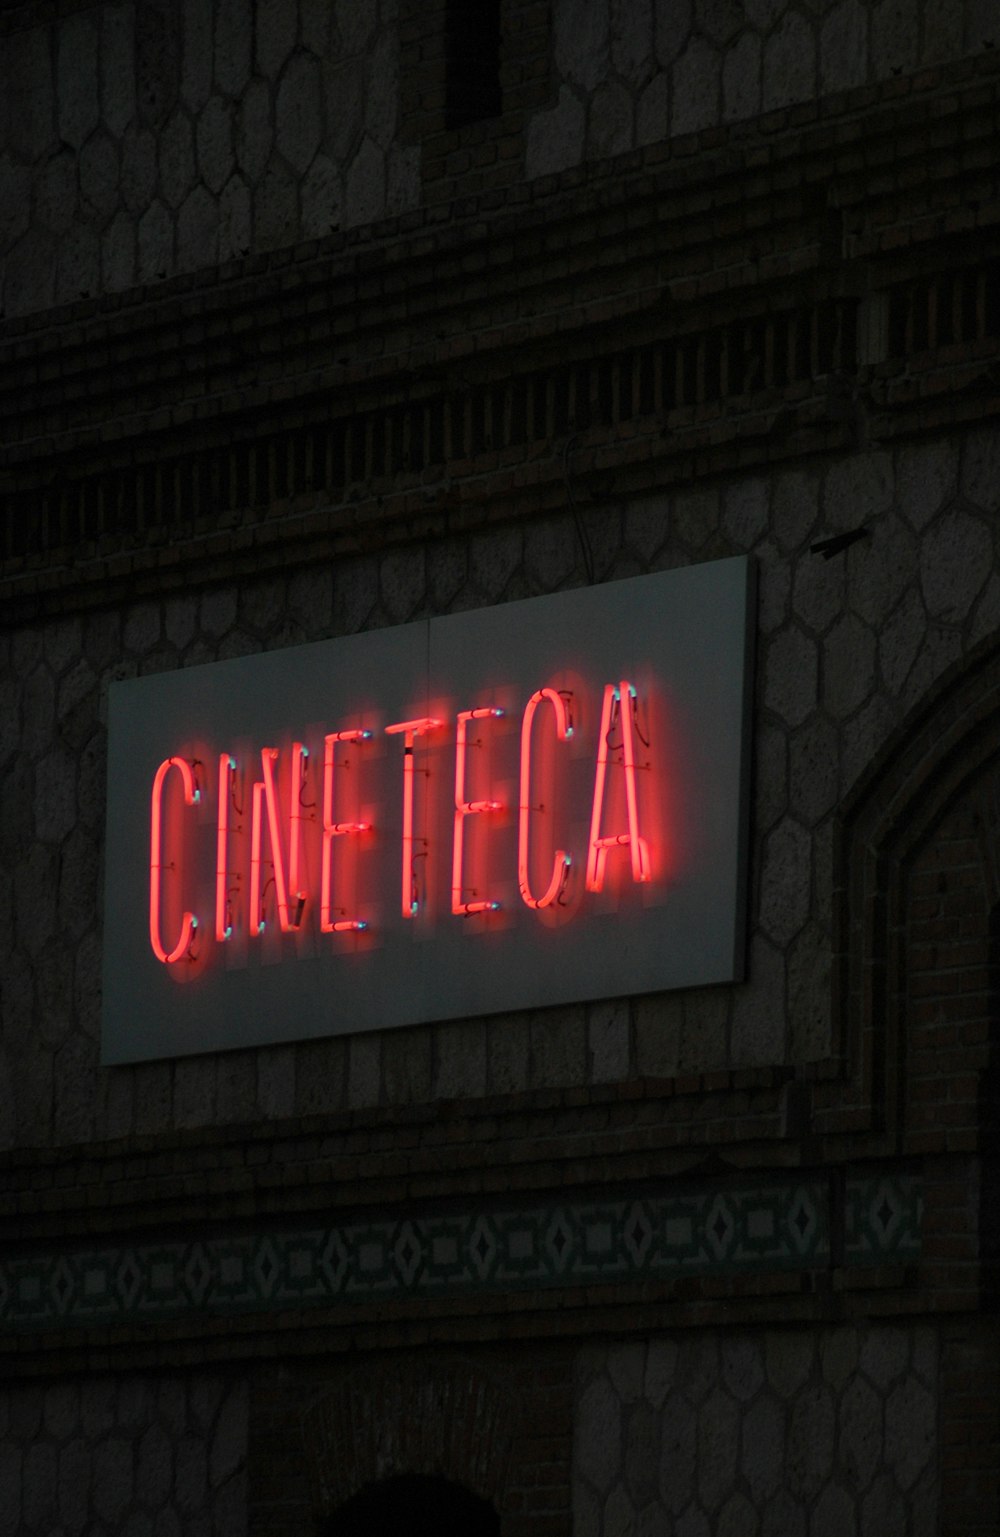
(472, 61)
(413, 1506)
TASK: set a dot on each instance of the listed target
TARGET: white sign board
(525, 805)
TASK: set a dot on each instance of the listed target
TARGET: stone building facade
(296, 343)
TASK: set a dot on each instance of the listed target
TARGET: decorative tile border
(779, 1225)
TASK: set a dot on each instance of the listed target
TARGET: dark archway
(413, 1505)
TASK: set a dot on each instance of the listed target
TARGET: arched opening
(413, 1505)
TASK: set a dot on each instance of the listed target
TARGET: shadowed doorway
(413, 1505)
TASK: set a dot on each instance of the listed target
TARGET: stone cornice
(836, 201)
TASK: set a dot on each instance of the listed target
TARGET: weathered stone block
(695, 87)
(762, 1448)
(298, 112)
(191, 1475)
(38, 1490)
(460, 1059)
(382, 88)
(632, 39)
(672, 27)
(118, 254)
(597, 1435)
(678, 1453)
(196, 54)
(609, 130)
(197, 231)
(156, 244)
(321, 198)
(789, 1355)
(402, 179)
(555, 138)
(233, 40)
(402, 583)
(55, 192)
(229, 1441)
(176, 159)
(31, 274)
(910, 1431)
(794, 508)
(214, 143)
(364, 1071)
(742, 1366)
(860, 1434)
(895, 37)
(790, 675)
(718, 1448)
(99, 175)
(843, 47)
(810, 1446)
(956, 557)
(78, 264)
(652, 112)
(785, 881)
(234, 219)
(72, 1487)
(789, 64)
(741, 78)
(112, 1479)
(507, 1051)
(848, 666)
(55, 796)
(608, 1041)
(31, 124)
(835, 1514)
(274, 209)
(276, 1082)
(857, 488)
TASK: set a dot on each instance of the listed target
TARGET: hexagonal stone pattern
(156, 103)
(627, 75)
(134, 147)
(780, 1433)
(131, 1455)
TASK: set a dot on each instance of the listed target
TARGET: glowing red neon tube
(223, 919)
(189, 922)
(266, 793)
(410, 730)
(618, 706)
(331, 830)
(561, 861)
(463, 809)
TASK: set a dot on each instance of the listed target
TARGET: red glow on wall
(334, 829)
(561, 860)
(189, 922)
(410, 730)
(461, 903)
(618, 712)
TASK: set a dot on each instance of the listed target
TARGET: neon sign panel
(532, 804)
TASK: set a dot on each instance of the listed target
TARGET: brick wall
(635, 326)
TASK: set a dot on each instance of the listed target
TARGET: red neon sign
(463, 809)
(189, 922)
(616, 713)
(561, 861)
(410, 730)
(223, 906)
(331, 829)
(615, 748)
(265, 792)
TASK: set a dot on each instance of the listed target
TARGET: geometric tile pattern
(882, 1220)
(768, 1225)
